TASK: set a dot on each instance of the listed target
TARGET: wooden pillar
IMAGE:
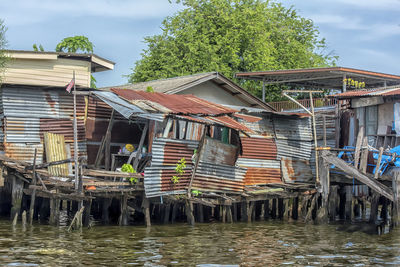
(374, 207)
(16, 195)
(250, 207)
(396, 196)
(105, 210)
(332, 203)
(310, 210)
(86, 212)
(286, 209)
(167, 211)
(234, 207)
(223, 213)
(123, 217)
(243, 210)
(189, 212)
(229, 218)
(146, 210)
(349, 203)
(174, 211)
(273, 208)
(281, 208)
(54, 211)
(44, 209)
(295, 208)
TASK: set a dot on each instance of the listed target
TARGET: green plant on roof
(196, 193)
(180, 170)
(129, 169)
(149, 89)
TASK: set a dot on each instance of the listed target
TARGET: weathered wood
(373, 215)
(33, 182)
(189, 212)
(139, 150)
(353, 172)
(196, 163)
(378, 163)
(48, 194)
(174, 212)
(250, 207)
(15, 219)
(107, 142)
(223, 213)
(53, 207)
(76, 221)
(146, 209)
(167, 211)
(229, 218)
(23, 218)
(235, 213)
(102, 173)
(48, 164)
(266, 209)
(123, 217)
(349, 215)
(364, 156)
(200, 213)
(308, 217)
(333, 200)
(324, 129)
(281, 208)
(295, 208)
(86, 213)
(16, 195)
(359, 141)
(396, 200)
(286, 209)
(100, 154)
(106, 203)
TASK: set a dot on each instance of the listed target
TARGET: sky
(364, 33)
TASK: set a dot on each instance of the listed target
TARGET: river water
(270, 243)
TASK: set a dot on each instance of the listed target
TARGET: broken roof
(177, 84)
(172, 104)
(330, 78)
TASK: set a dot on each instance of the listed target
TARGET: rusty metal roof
(392, 91)
(331, 77)
(174, 104)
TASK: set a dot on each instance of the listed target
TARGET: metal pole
(344, 83)
(315, 141)
(76, 169)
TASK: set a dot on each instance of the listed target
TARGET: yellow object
(130, 147)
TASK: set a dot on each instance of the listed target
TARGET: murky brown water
(256, 244)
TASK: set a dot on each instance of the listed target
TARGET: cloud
(21, 12)
(372, 4)
(339, 21)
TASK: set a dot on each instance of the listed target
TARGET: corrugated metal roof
(178, 104)
(372, 92)
(220, 120)
(125, 108)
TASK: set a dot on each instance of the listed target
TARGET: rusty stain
(258, 148)
(261, 176)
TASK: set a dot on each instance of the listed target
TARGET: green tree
(232, 36)
(36, 48)
(77, 44)
(3, 44)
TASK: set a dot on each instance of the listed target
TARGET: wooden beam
(139, 150)
(378, 163)
(353, 172)
(360, 138)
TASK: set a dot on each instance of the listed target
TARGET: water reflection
(257, 244)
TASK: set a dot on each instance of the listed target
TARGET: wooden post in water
(295, 208)
(396, 196)
(123, 217)
(189, 211)
(349, 203)
(167, 211)
(106, 203)
(146, 210)
(86, 213)
(333, 200)
(374, 207)
(16, 195)
(33, 195)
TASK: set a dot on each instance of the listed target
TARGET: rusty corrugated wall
(28, 112)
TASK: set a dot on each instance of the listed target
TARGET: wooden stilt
(229, 218)
(349, 201)
(374, 207)
(189, 212)
(266, 209)
(167, 211)
(146, 209)
(86, 213)
(24, 218)
(295, 208)
(281, 208)
(250, 207)
(16, 195)
(396, 197)
(243, 210)
(235, 217)
(33, 196)
(105, 210)
(174, 212)
(332, 203)
(123, 217)
(223, 213)
(274, 208)
(308, 217)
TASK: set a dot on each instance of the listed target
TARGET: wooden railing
(289, 105)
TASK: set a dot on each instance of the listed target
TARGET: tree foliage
(75, 44)
(232, 36)
(3, 44)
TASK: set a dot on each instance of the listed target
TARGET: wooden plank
(55, 151)
(378, 163)
(139, 150)
(396, 200)
(102, 173)
(360, 137)
(353, 172)
(107, 141)
(364, 155)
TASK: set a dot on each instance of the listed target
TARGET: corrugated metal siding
(263, 127)
(292, 128)
(258, 148)
(165, 155)
(214, 151)
(261, 172)
(296, 170)
(30, 112)
(294, 149)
